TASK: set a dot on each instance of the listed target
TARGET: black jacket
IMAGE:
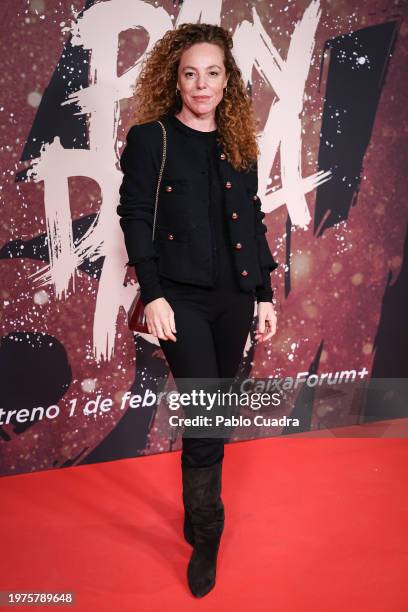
(183, 243)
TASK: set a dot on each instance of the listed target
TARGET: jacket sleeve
(149, 280)
(264, 292)
(137, 195)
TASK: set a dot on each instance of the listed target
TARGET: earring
(225, 89)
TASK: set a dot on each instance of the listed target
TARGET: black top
(146, 270)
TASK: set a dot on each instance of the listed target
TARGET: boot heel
(201, 571)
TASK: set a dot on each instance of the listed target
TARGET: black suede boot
(202, 499)
(188, 528)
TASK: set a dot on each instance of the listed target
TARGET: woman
(209, 259)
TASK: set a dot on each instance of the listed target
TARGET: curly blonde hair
(155, 90)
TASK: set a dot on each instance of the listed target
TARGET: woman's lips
(201, 97)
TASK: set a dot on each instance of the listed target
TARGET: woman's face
(202, 78)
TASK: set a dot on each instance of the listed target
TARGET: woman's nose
(201, 82)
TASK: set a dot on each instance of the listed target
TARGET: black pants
(212, 326)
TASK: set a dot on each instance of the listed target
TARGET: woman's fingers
(154, 325)
(157, 330)
(172, 321)
(160, 319)
(268, 335)
(261, 323)
(271, 329)
(266, 329)
(168, 324)
(167, 329)
(161, 326)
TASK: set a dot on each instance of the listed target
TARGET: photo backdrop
(328, 81)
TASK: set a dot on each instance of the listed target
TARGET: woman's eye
(213, 72)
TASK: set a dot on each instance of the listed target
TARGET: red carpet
(311, 524)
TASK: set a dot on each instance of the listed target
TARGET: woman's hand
(266, 321)
(160, 319)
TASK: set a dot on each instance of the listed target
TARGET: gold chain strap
(160, 175)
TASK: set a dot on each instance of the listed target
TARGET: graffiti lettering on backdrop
(97, 31)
